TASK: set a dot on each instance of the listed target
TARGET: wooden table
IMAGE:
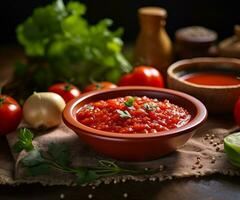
(214, 187)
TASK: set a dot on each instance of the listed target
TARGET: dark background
(220, 15)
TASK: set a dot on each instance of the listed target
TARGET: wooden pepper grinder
(153, 46)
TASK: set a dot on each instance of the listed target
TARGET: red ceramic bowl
(140, 146)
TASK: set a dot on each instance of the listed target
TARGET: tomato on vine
(66, 90)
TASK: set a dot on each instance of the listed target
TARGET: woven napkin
(202, 155)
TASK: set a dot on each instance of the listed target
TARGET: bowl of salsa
(134, 123)
(215, 81)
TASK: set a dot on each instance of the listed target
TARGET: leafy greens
(62, 45)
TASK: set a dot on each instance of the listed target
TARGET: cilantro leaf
(85, 176)
(90, 107)
(129, 102)
(40, 169)
(60, 153)
(57, 157)
(25, 137)
(124, 114)
(150, 106)
(33, 158)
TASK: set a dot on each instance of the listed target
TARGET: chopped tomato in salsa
(133, 115)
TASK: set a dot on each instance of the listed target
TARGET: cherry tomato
(237, 112)
(65, 90)
(143, 75)
(100, 86)
(10, 114)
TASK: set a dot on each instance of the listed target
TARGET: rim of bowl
(197, 120)
(202, 60)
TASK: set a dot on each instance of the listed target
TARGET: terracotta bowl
(140, 146)
(217, 99)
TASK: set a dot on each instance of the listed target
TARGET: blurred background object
(195, 41)
(153, 45)
(230, 47)
(219, 16)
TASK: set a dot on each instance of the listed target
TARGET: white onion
(43, 110)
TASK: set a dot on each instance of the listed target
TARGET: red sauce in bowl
(133, 115)
(212, 79)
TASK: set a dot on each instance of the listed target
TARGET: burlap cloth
(202, 155)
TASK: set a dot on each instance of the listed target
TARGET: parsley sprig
(57, 157)
(124, 114)
(150, 106)
(129, 102)
(24, 142)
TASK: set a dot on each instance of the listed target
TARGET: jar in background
(195, 41)
(153, 46)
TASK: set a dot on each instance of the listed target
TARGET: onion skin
(43, 110)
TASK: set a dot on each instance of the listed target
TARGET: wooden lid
(153, 11)
(196, 34)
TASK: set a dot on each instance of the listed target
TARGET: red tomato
(100, 86)
(10, 114)
(65, 90)
(237, 111)
(143, 75)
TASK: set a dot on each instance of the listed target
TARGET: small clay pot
(217, 99)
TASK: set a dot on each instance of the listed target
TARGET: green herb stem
(58, 157)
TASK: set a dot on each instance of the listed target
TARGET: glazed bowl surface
(136, 146)
(217, 99)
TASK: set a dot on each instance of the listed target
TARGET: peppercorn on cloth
(202, 155)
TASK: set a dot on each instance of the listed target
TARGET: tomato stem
(67, 87)
(98, 86)
(2, 99)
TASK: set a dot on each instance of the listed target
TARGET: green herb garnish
(129, 102)
(150, 106)
(124, 114)
(57, 157)
(89, 107)
(25, 137)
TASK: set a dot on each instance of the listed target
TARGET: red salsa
(133, 115)
(215, 79)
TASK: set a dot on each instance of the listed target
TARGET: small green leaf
(129, 102)
(18, 147)
(150, 106)
(40, 169)
(25, 137)
(60, 153)
(32, 159)
(124, 114)
(85, 176)
(76, 8)
(90, 107)
(25, 134)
